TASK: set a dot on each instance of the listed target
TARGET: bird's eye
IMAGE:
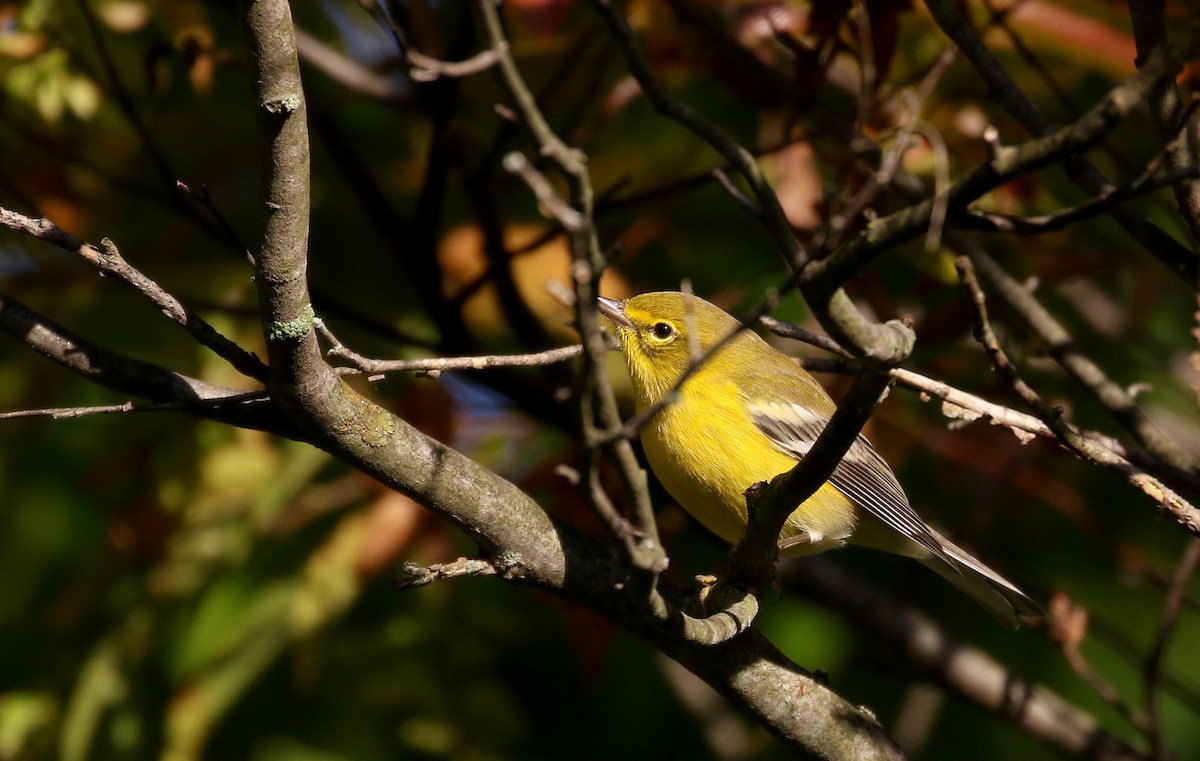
(663, 330)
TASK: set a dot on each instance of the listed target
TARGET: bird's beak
(615, 311)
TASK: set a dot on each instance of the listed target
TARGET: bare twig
(127, 375)
(206, 200)
(426, 68)
(551, 203)
(128, 107)
(1093, 207)
(960, 405)
(738, 157)
(829, 236)
(433, 364)
(346, 72)
(866, 62)
(1008, 162)
(1067, 626)
(1166, 108)
(419, 576)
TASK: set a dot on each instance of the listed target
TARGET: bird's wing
(862, 475)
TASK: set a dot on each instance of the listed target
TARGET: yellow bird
(749, 413)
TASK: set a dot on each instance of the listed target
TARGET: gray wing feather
(862, 475)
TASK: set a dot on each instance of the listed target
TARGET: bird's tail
(996, 594)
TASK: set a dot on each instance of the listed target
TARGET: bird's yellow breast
(706, 451)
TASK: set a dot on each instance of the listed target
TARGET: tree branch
(110, 261)
(1161, 65)
(511, 528)
(126, 375)
(1183, 511)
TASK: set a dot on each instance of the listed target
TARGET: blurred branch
(772, 216)
(549, 201)
(1116, 401)
(346, 72)
(109, 261)
(150, 147)
(1186, 514)
(829, 236)
(1167, 624)
(959, 668)
(1068, 624)
(205, 199)
(1160, 65)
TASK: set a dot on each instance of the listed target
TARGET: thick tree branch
(514, 532)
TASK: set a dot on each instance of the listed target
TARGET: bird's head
(662, 333)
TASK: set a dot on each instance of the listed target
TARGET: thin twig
(191, 405)
(1035, 225)
(551, 203)
(427, 68)
(419, 576)
(738, 157)
(866, 62)
(1067, 625)
(435, 364)
(959, 405)
(206, 200)
(1007, 163)
(1150, 35)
